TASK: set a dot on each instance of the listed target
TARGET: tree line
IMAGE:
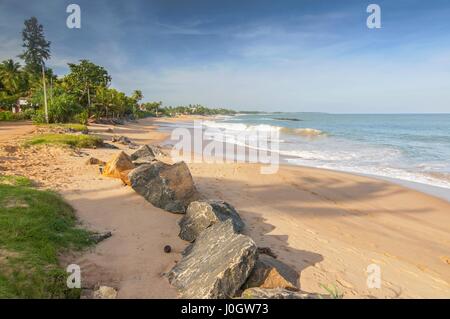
(81, 94)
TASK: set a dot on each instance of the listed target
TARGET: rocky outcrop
(277, 293)
(119, 167)
(271, 273)
(146, 154)
(216, 265)
(166, 186)
(202, 214)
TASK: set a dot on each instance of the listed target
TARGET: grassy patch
(32, 235)
(75, 127)
(333, 291)
(71, 140)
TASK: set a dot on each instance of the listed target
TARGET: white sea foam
(389, 172)
(332, 153)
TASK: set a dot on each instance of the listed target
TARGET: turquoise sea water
(411, 147)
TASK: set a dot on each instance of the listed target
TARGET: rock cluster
(219, 262)
(216, 265)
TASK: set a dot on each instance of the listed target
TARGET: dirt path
(9, 131)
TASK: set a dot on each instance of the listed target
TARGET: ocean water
(409, 147)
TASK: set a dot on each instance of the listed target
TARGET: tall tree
(36, 48)
(10, 76)
(137, 95)
(84, 79)
(36, 52)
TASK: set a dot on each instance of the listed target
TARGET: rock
(98, 237)
(94, 161)
(147, 152)
(109, 130)
(271, 273)
(215, 265)
(110, 146)
(267, 251)
(121, 139)
(118, 121)
(142, 161)
(166, 186)
(202, 214)
(105, 292)
(119, 167)
(276, 293)
(124, 177)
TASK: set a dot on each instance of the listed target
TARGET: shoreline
(327, 225)
(435, 191)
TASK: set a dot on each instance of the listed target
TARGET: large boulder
(276, 293)
(166, 186)
(271, 273)
(215, 265)
(119, 167)
(149, 152)
(202, 214)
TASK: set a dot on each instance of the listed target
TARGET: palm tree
(11, 76)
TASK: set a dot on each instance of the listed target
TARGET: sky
(285, 55)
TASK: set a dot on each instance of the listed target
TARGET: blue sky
(310, 55)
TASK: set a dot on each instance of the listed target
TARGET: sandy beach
(329, 226)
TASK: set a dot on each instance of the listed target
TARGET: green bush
(81, 118)
(38, 117)
(6, 116)
(10, 116)
(29, 114)
(62, 109)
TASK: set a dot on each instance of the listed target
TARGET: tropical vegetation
(85, 92)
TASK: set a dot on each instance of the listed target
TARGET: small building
(21, 102)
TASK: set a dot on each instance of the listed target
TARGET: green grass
(35, 227)
(71, 140)
(333, 291)
(69, 126)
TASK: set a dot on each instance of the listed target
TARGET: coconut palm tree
(11, 76)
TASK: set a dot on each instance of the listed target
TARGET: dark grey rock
(144, 160)
(121, 139)
(202, 214)
(98, 237)
(166, 186)
(215, 265)
(146, 152)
